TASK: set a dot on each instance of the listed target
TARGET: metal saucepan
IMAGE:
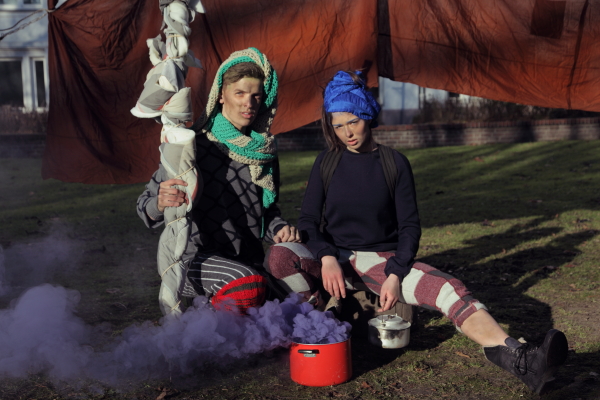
(389, 331)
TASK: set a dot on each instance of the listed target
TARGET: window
(40, 83)
(11, 82)
(20, 3)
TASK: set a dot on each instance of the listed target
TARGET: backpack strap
(328, 165)
(389, 167)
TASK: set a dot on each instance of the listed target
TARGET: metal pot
(321, 364)
(389, 331)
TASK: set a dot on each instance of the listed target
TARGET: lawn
(519, 224)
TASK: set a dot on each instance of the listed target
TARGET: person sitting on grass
(360, 228)
(237, 210)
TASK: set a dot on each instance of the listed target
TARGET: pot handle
(308, 351)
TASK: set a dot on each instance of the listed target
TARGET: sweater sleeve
(272, 218)
(309, 222)
(407, 215)
(147, 203)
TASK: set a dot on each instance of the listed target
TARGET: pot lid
(389, 322)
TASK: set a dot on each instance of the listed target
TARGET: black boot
(535, 366)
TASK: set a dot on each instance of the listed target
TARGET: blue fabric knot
(342, 94)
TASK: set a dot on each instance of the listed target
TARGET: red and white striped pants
(296, 270)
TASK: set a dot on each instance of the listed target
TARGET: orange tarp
(528, 51)
(539, 52)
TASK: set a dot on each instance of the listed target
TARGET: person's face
(241, 101)
(354, 132)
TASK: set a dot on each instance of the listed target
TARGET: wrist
(153, 211)
(328, 259)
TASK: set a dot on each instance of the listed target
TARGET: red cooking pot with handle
(321, 364)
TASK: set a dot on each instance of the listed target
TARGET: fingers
(386, 301)
(342, 288)
(288, 233)
(335, 288)
(173, 182)
(168, 196)
(284, 233)
(328, 287)
(295, 234)
(281, 235)
(340, 284)
(171, 197)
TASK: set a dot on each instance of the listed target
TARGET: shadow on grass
(574, 380)
(502, 282)
(505, 181)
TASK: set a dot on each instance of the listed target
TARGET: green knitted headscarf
(257, 150)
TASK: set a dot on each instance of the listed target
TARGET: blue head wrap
(342, 94)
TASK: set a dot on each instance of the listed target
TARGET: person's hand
(390, 293)
(333, 277)
(168, 196)
(288, 233)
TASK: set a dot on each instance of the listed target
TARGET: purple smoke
(41, 333)
(319, 328)
(24, 265)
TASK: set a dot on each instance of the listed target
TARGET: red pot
(320, 364)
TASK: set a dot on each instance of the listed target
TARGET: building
(401, 101)
(24, 56)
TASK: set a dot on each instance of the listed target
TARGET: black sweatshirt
(360, 213)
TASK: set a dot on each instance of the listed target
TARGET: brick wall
(474, 133)
(398, 136)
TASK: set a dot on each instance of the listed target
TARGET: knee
(466, 309)
(286, 258)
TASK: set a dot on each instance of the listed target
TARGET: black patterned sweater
(228, 215)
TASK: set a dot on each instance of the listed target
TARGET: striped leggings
(296, 270)
(226, 282)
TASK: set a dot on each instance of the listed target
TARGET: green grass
(519, 224)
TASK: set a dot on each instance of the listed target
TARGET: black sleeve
(407, 215)
(310, 215)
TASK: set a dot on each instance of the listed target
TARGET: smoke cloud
(34, 263)
(40, 333)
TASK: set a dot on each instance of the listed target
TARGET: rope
(170, 266)
(176, 305)
(45, 11)
(175, 220)
(185, 172)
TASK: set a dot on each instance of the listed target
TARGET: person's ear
(221, 98)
